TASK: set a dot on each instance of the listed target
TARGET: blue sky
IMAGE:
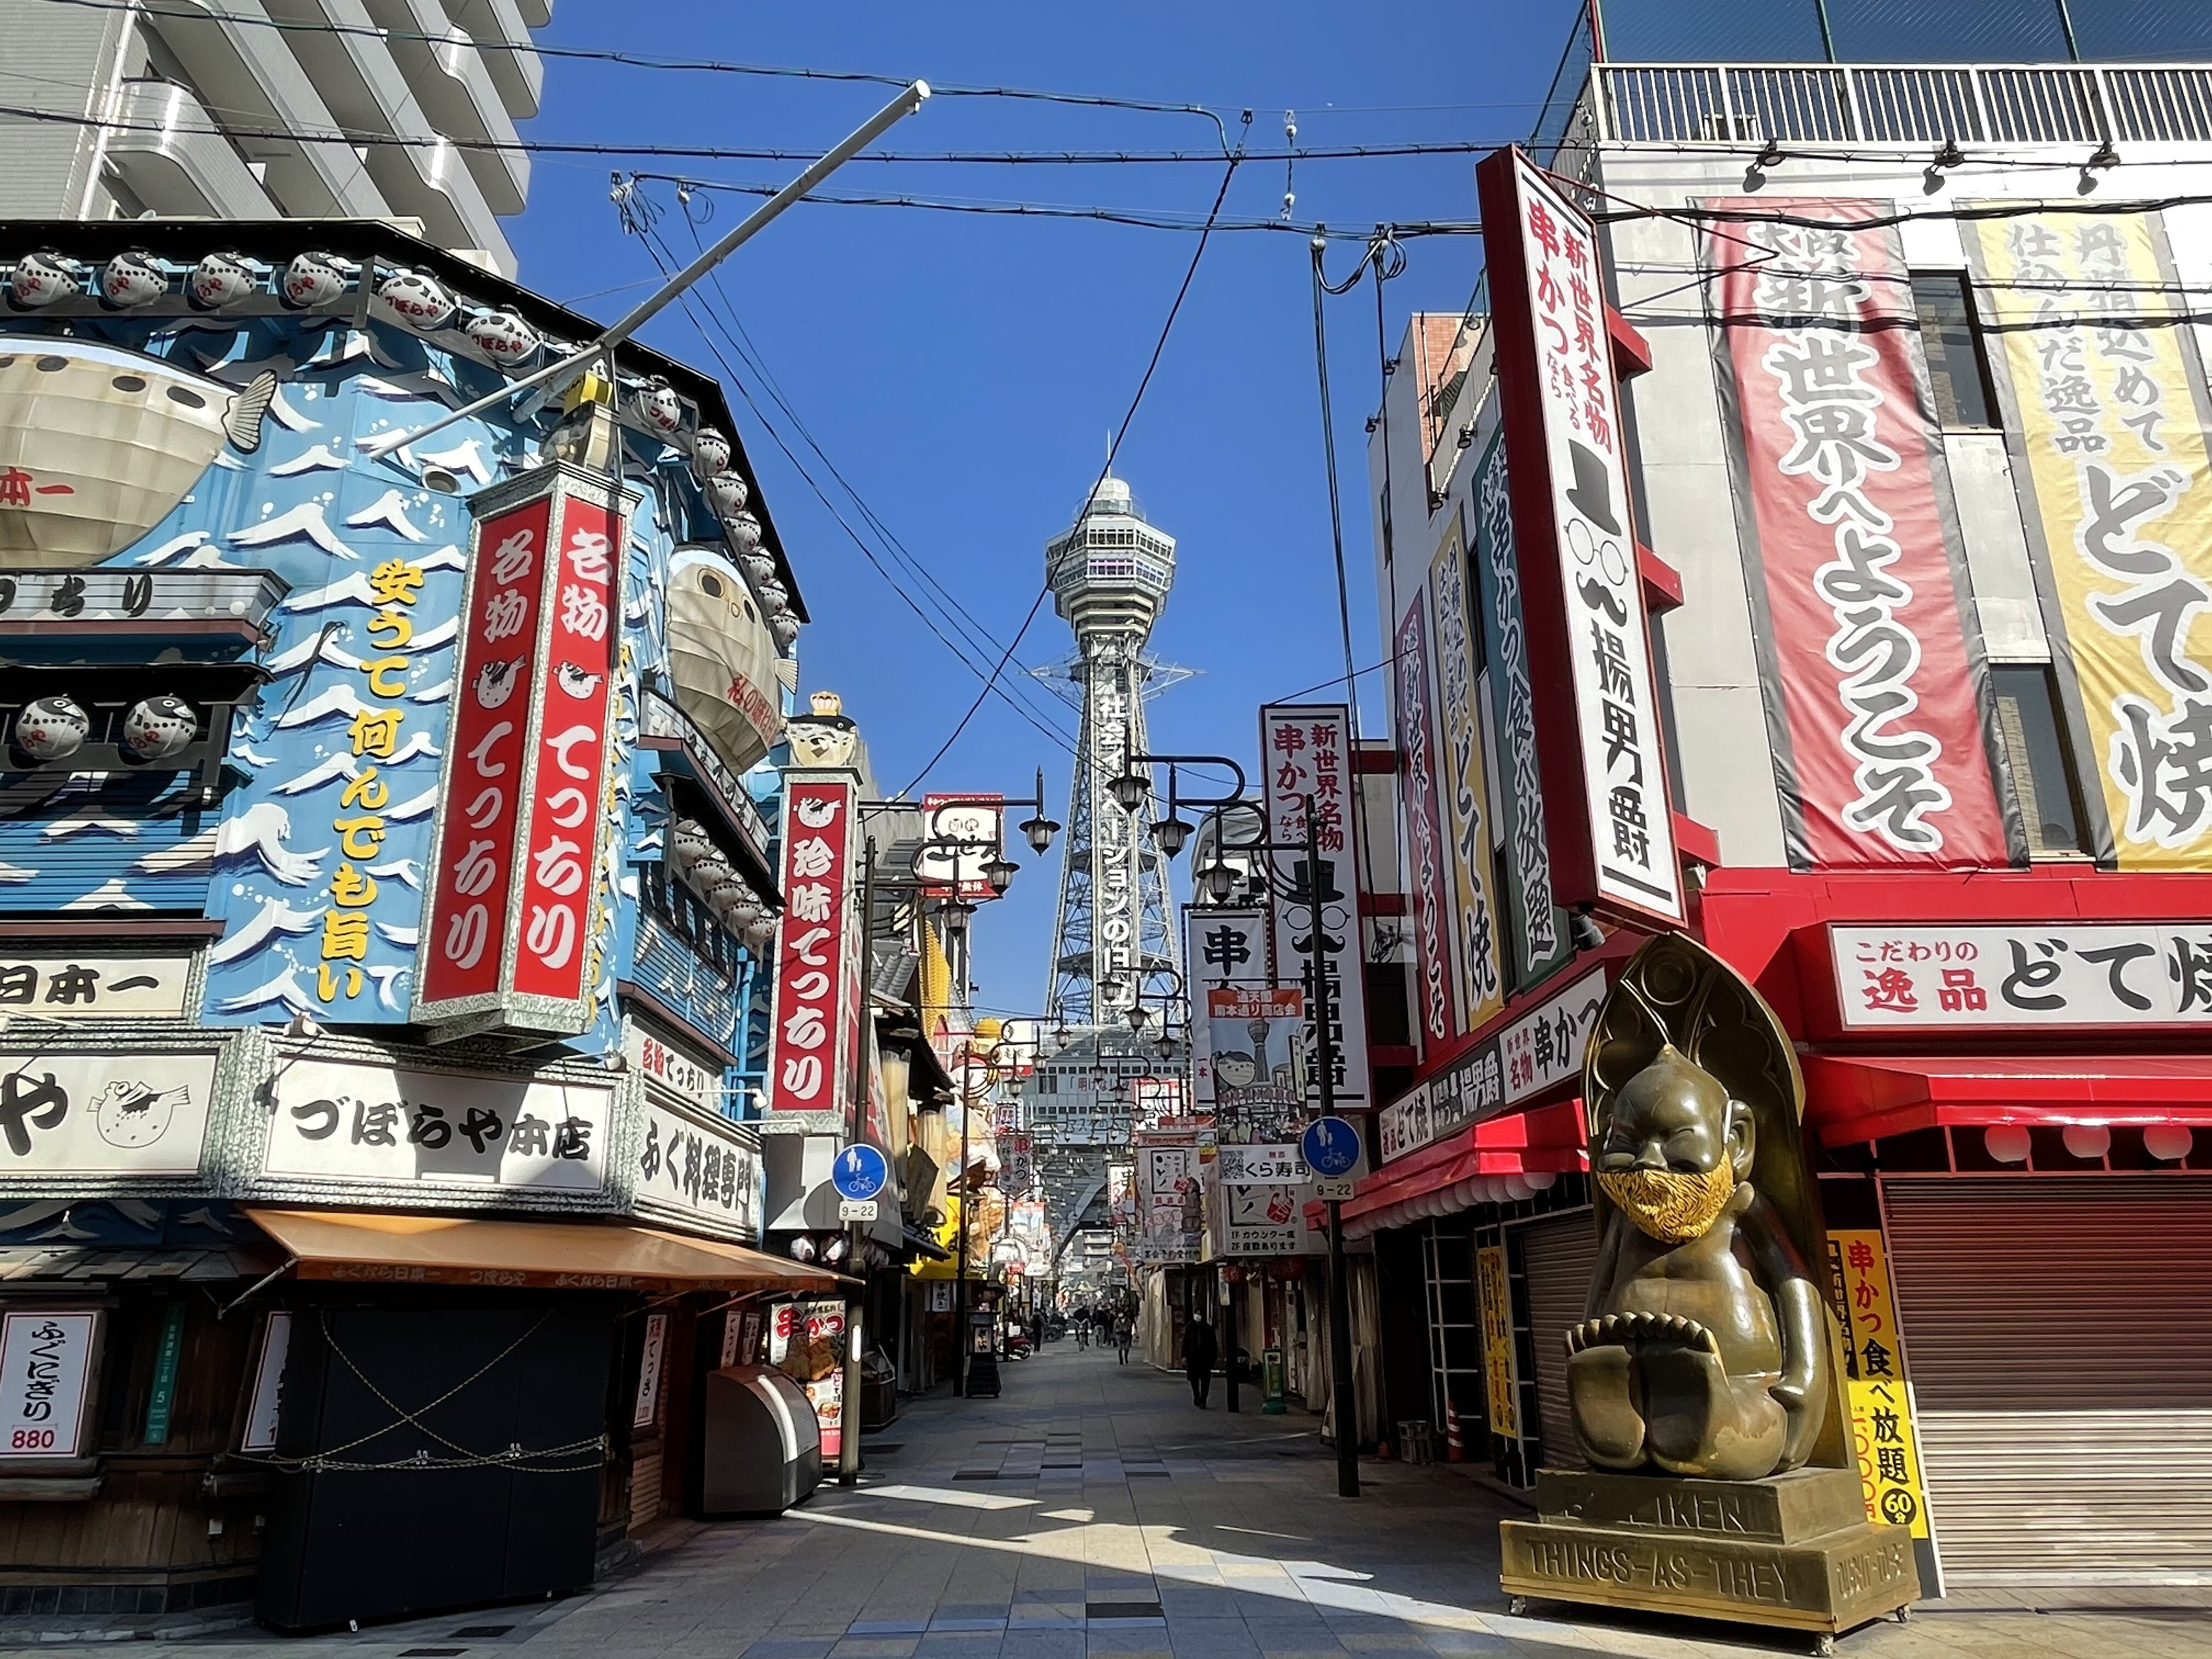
(962, 371)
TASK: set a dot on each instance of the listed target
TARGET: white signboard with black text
(45, 1375)
(358, 1121)
(93, 984)
(104, 1114)
(703, 1173)
(2044, 975)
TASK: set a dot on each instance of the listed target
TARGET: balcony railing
(1903, 105)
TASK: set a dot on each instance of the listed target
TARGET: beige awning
(420, 1249)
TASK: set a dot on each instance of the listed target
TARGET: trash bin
(763, 1447)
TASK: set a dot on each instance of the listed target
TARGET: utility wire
(1228, 177)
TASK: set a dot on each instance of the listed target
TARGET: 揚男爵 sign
(1596, 705)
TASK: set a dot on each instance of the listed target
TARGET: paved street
(1092, 1511)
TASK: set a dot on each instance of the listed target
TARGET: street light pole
(856, 1305)
(1340, 1288)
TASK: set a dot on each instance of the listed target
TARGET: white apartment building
(266, 109)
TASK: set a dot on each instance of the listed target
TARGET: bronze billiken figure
(1705, 1352)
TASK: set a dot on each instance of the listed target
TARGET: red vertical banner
(509, 928)
(1425, 843)
(1876, 701)
(816, 1024)
(569, 783)
(1598, 720)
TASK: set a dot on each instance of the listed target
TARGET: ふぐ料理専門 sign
(511, 926)
(816, 1029)
(1590, 653)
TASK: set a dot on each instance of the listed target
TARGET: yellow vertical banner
(1496, 1311)
(1465, 788)
(2093, 337)
(1879, 1393)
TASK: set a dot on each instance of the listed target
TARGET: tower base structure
(1792, 1552)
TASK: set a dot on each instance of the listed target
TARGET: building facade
(390, 870)
(1912, 429)
(395, 109)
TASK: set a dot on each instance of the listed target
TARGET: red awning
(1547, 1140)
(1850, 1099)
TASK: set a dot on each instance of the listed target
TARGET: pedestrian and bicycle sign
(1331, 1146)
(859, 1172)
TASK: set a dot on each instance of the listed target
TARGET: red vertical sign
(1873, 685)
(811, 1044)
(508, 923)
(1425, 831)
(568, 787)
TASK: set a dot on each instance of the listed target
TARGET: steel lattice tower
(1109, 575)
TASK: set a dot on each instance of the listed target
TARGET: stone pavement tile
(1467, 1641)
(964, 1645)
(873, 1647)
(773, 1649)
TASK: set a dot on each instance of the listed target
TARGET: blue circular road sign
(859, 1172)
(1331, 1146)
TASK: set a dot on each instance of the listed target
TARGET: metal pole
(960, 1272)
(1341, 1392)
(908, 100)
(1228, 1346)
(848, 1443)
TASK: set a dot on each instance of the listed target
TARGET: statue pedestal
(1793, 1551)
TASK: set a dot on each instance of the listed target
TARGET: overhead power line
(1228, 177)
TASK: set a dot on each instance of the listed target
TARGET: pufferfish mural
(100, 443)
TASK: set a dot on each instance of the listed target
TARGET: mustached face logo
(577, 682)
(495, 682)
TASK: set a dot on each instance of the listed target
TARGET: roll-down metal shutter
(2058, 1333)
(1558, 1256)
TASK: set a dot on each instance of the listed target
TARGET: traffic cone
(1454, 1452)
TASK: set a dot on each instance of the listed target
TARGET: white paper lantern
(710, 452)
(415, 299)
(221, 279)
(2006, 1143)
(662, 409)
(2169, 1143)
(313, 279)
(502, 337)
(51, 728)
(39, 279)
(727, 494)
(687, 844)
(129, 280)
(744, 532)
(2086, 1141)
(784, 627)
(159, 728)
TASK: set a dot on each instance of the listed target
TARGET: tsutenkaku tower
(1109, 576)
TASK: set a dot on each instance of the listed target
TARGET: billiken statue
(1706, 1348)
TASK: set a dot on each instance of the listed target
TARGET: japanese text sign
(45, 1375)
(1590, 653)
(97, 984)
(2110, 456)
(1461, 786)
(1493, 1289)
(1305, 755)
(1874, 690)
(816, 1019)
(2048, 976)
(106, 1113)
(699, 1174)
(1539, 926)
(510, 933)
(1888, 1451)
(1436, 989)
(358, 1121)
(1223, 948)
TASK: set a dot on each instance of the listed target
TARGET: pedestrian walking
(1198, 1354)
(1125, 1331)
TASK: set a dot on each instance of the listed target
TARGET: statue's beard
(1668, 1204)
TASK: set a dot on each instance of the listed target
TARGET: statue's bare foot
(1700, 1421)
(1601, 1392)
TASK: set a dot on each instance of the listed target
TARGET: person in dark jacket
(1198, 1355)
